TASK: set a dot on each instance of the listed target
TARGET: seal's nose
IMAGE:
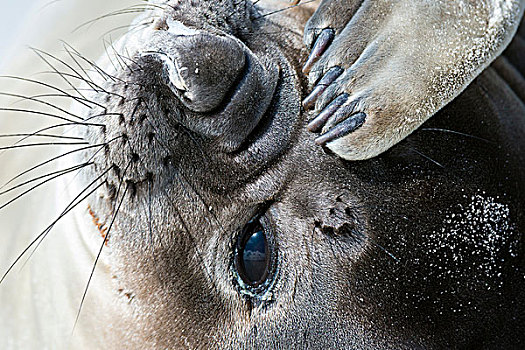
(224, 86)
(201, 68)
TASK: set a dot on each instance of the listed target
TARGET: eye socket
(254, 256)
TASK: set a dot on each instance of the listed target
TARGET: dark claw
(318, 90)
(341, 114)
(323, 41)
(317, 124)
(347, 126)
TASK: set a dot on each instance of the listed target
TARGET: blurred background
(26, 23)
(40, 24)
(43, 23)
(11, 25)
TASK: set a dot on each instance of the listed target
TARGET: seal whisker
(98, 88)
(73, 52)
(80, 100)
(428, 158)
(150, 216)
(39, 144)
(204, 155)
(150, 183)
(54, 175)
(154, 127)
(104, 241)
(105, 75)
(79, 199)
(76, 75)
(283, 9)
(182, 180)
(126, 11)
(458, 133)
(381, 248)
(42, 135)
(110, 59)
(130, 27)
(29, 98)
(41, 54)
(269, 33)
(121, 58)
(190, 236)
(53, 127)
(101, 146)
(184, 129)
(129, 59)
(76, 204)
(72, 123)
(110, 44)
(104, 42)
(70, 54)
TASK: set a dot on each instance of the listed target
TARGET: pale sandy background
(24, 294)
(41, 24)
(11, 27)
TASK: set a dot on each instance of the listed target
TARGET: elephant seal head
(228, 228)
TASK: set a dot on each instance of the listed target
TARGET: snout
(199, 68)
(223, 88)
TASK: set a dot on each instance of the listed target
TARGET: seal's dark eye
(254, 258)
(254, 255)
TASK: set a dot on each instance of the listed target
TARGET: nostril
(210, 66)
(201, 68)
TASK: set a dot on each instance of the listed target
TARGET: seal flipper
(402, 66)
